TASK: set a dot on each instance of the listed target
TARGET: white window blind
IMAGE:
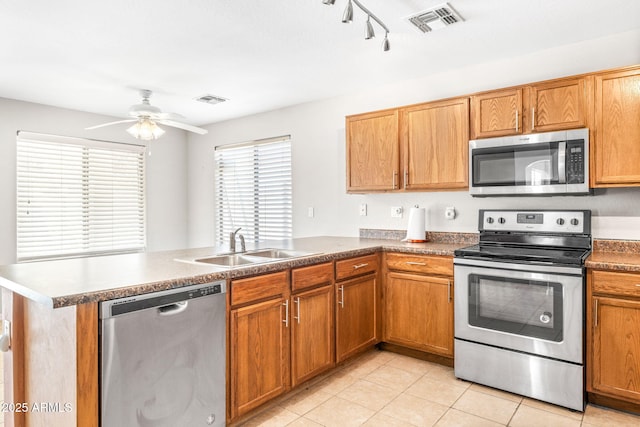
(78, 197)
(253, 190)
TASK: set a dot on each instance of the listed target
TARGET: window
(253, 190)
(78, 197)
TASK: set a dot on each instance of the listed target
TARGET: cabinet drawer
(260, 287)
(307, 277)
(438, 265)
(607, 282)
(356, 266)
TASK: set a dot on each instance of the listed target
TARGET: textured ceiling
(93, 55)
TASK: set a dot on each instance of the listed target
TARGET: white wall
(318, 139)
(166, 170)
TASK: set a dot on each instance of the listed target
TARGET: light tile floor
(386, 389)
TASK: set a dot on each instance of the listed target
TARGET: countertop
(76, 281)
(615, 255)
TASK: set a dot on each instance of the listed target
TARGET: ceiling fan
(147, 117)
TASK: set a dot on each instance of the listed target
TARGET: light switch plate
(363, 209)
(310, 212)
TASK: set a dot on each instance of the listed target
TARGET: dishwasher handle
(172, 309)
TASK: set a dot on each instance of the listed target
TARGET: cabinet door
(372, 151)
(616, 144)
(496, 113)
(435, 142)
(312, 334)
(616, 348)
(419, 312)
(356, 316)
(557, 105)
(259, 354)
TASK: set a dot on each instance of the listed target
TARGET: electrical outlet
(450, 213)
(396, 212)
(363, 209)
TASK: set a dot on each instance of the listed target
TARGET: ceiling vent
(211, 99)
(435, 18)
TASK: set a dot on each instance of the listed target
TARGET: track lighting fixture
(369, 33)
(348, 13)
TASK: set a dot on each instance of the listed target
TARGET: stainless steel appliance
(163, 358)
(537, 164)
(519, 304)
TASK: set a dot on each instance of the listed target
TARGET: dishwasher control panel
(162, 300)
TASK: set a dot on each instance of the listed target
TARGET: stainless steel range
(519, 304)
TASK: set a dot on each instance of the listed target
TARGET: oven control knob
(545, 317)
(502, 220)
(574, 221)
(489, 220)
(560, 221)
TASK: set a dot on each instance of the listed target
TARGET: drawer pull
(415, 263)
(357, 266)
(638, 285)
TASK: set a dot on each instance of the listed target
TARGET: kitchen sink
(258, 256)
(278, 253)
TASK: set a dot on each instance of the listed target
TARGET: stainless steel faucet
(232, 241)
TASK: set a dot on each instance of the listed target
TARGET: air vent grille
(211, 99)
(435, 18)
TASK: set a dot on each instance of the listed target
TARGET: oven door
(520, 307)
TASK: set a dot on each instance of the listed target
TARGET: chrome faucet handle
(243, 246)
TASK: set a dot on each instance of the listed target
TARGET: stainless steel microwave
(544, 164)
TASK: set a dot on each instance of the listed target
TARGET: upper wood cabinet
(372, 151)
(541, 107)
(496, 113)
(435, 145)
(615, 147)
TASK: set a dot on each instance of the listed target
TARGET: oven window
(535, 164)
(523, 307)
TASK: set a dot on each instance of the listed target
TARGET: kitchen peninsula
(53, 309)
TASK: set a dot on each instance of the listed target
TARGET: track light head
(385, 44)
(348, 13)
(368, 29)
(329, 2)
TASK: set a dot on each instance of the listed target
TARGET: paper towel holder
(416, 232)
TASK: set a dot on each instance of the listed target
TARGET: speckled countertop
(81, 280)
(616, 255)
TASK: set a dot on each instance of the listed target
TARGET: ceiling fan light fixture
(145, 129)
(329, 2)
(348, 13)
(385, 44)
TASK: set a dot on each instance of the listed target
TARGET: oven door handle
(562, 162)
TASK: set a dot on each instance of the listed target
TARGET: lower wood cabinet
(312, 324)
(419, 303)
(259, 343)
(613, 337)
(355, 316)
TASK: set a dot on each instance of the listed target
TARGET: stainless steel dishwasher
(163, 358)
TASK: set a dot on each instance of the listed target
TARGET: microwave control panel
(575, 162)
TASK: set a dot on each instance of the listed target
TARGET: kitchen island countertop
(69, 282)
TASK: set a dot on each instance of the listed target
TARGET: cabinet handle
(341, 302)
(358, 266)
(406, 178)
(448, 290)
(595, 313)
(638, 285)
(533, 118)
(517, 120)
(5, 338)
(395, 179)
(297, 301)
(286, 313)
(415, 263)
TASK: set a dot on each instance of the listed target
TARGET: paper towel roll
(416, 229)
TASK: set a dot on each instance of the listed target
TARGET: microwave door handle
(562, 162)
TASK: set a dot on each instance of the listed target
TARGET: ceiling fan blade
(111, 123)
(168, 116)
(183, 126)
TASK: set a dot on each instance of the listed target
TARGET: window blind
(78, 197)
(253, 190)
